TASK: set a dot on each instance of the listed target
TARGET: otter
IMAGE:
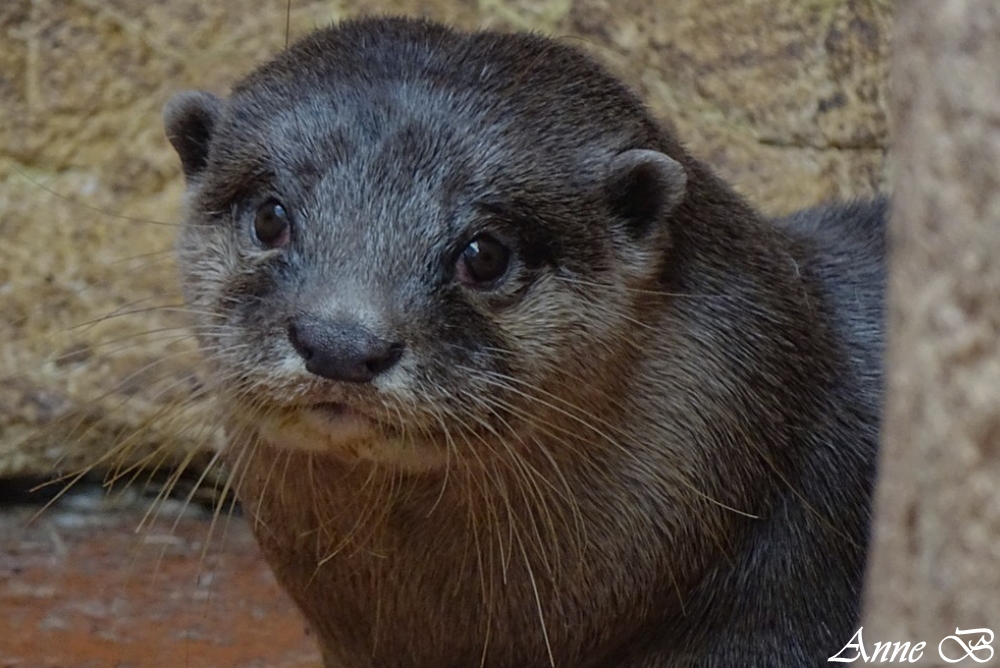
(509, 379)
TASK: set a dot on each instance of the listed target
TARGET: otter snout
(342, 351)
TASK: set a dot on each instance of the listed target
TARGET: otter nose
(342, 351)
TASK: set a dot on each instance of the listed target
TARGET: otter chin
(514, 380)
(326, 428)
(336, 430)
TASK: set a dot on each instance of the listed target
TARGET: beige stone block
(784, 97)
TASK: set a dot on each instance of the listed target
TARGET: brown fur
(650, 444)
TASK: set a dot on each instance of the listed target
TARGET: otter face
(397, 246)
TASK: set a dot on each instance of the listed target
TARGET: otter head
(404, 243)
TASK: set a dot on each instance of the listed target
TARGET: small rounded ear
(189, 119)
(644, 186)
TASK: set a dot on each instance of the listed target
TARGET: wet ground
(89, 584)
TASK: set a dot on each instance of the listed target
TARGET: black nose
(342, 351)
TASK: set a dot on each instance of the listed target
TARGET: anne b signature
(951, 649)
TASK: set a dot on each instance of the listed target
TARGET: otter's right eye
(482, 262)
(272, 226)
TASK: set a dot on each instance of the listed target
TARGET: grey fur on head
(509, 378)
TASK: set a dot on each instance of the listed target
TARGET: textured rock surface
(100, 583)
(936, 544)
(784, 97)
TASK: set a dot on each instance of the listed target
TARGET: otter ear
(189, 119)
(643, 186)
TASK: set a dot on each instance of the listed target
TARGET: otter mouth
(321, 427)
(333, 410)
(337, 429)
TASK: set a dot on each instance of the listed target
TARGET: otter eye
(483, 261)
(272, 226)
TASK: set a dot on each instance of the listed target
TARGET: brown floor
(81, 587)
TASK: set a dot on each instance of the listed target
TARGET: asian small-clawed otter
(509, 379)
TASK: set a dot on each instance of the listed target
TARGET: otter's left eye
(482, 262)
(272, 225)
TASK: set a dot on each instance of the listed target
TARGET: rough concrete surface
(786, 98)
(935, 563)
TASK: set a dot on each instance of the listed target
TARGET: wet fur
(659, 432)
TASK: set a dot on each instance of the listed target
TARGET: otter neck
(503, 553)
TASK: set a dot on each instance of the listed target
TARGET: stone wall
(784, 97)
(936, 538)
